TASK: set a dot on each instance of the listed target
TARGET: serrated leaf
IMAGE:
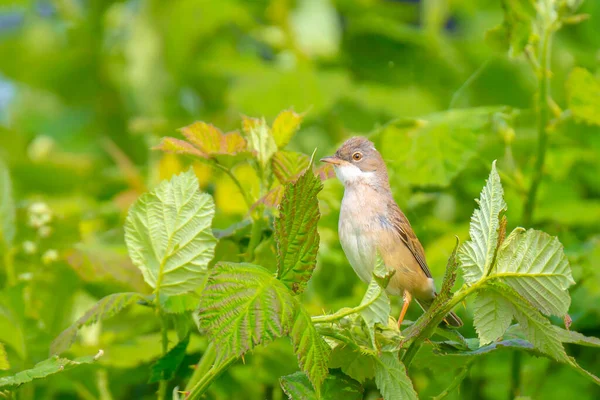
(105, 308)
(534, 264)
(7, 209)
(181, 303)
(477, 254)
(434, 150)
(165, 367)
(296, 231)
(4, 364)
(285, 127)
(205, 140)
(573, 337)
(337, 386)
(353, 363)
(169, 236)
(583, 95)
(536, 327)
(378, 311)
(43, 369)
(391, 378)
(492, 316)
(287, 165)
(244, 305)
(311, 349)
(260, 139)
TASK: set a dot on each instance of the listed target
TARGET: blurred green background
(88, 87)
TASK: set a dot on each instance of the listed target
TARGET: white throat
(350, 174)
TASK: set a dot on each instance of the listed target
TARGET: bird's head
(358, 161)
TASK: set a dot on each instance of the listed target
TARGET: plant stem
(255, 234)
(456, 382)
(162, 385)
(344, 312)
(515, 376)
(206, 362)
(543, 114)
(212, 374)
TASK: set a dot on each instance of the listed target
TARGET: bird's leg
(407, 300)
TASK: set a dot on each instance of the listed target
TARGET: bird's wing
(402, 226)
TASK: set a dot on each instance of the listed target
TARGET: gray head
(357, 161)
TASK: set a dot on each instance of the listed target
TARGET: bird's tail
(451, 319)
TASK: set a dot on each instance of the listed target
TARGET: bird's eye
(357, 156)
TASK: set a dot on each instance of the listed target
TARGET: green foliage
(260, 140)
(476, 256)
(391, 378)
(168, 234)
(243, 305)
(165, 367)
(296, 231)
(433, 150)
(4, 365)
(534, 264)
(285, 127)
(493, 316)
(355, 364)
(583, 94)
(105, 308)
(52, 365)
(7, 208)
(336, 386)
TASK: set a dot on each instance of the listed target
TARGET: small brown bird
(371, 222)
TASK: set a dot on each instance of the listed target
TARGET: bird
(371, 223)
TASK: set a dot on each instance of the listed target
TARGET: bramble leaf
(105, 308)
(244, 305)
(311, 349)
(336, 386)
(477, 254)
(492, 316)
(7, 208)
(181, 303)
(169, 236)
(576, 337)
(45, 368)
(353, 363)
(206, 141)
(260, 139)
(378, 311)
(296, 231)
(285, 127)
(165, 367)
(534, 264)
(434, 150)
(287, 165)
(391, 378)
(583, 95)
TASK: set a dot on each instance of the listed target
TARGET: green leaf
(260, 140)
(536, 327)
(165, 367)
(243, 305)
(105, 308)
(583, 96)
(285, 127)
(391, 378)
(492, 316)
(7, 208)
(353, 363)
(4, 364)
(515, 31)
(287, 165)
(534, 264)
(296, 231)
(476, 255)
(379, 310)
(45, 368)
(566, 336)
(169, 237)
(181, 303)
(434, 150)
(311, 349)
(337, 386)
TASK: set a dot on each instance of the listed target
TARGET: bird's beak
(332, 160)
